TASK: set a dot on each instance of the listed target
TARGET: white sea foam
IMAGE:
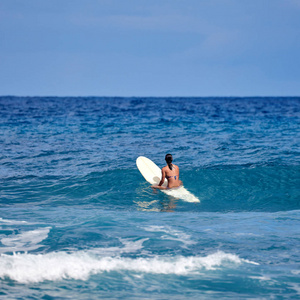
(130, 246)
(295, 287)
(25, 241)
(12, 222)
(261, 278)
(172, 234)
(28, 268)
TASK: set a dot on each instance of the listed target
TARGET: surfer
(171, 172)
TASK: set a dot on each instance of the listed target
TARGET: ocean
(78, 220)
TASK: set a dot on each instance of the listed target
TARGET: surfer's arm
(163, 176)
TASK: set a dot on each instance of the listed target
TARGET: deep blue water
(78, 221)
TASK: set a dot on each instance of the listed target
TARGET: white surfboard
(152, 173)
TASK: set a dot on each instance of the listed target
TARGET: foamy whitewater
(78, 220)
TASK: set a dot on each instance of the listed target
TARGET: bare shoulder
(164, 168)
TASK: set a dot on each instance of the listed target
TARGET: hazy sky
(150, 47)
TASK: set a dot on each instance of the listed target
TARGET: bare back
(171, 175)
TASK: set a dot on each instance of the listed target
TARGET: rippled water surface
(77, 219)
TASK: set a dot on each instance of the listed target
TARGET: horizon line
(68, 96)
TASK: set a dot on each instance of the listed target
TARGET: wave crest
(30, 268)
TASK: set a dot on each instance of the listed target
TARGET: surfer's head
(169, 159)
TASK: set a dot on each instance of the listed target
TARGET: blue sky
(150, 47)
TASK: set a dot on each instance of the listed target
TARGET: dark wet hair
(169, 159)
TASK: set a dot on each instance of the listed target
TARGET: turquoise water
(78, 221)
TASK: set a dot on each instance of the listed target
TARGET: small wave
(12, 222)
(171, 234)
(30, 268)
(263, 188)
(129, 246)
